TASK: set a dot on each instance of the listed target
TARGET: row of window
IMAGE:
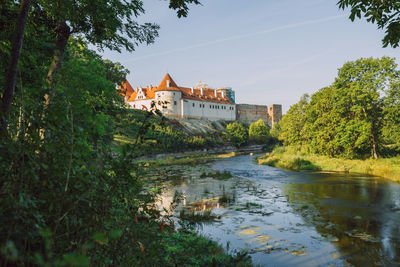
(203, 106)
(212, 106)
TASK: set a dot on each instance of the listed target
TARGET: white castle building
(198, 102)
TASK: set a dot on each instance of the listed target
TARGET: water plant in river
(193, 216)
(218, 175)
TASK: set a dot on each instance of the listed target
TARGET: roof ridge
(167, 82)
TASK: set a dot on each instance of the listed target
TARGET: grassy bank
(190, 249)
(292, 159)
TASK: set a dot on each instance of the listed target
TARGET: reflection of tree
(358, 212)
(205, 205)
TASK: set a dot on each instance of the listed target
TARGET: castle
(200, 102)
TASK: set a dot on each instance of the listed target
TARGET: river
(284, 218)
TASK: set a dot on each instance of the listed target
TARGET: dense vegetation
(259, 132)
(237, 133)
(145, 133)
(355, 117)
(67, 197)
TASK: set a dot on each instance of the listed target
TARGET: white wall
(138, 104)
(184, 107)
(173, 107)
(212, 111)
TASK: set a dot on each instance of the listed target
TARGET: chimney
(215, 92)
(167, 83)
(192, 90)
(223, 94)
(202, 91)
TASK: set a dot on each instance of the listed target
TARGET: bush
(259, 132)
(237, 134)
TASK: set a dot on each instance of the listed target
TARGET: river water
(285, 218)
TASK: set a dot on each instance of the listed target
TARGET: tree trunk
(63, 32)
(9, 87)
(374, 154)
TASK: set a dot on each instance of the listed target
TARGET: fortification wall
(275, 113)
(250, 113)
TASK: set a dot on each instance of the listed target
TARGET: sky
(268, 51)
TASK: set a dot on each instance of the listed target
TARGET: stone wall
(275, 113)
(250, 113)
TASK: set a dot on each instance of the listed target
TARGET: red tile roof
(163, 85)
(125, 89)
(149, 92)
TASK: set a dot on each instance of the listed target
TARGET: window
(175, 103)
(193, 104)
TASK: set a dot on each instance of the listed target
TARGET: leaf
(115, 234)
(100, 238)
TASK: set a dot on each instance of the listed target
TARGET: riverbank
(292, 159)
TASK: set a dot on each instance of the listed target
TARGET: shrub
(259, 132)
(237, 134)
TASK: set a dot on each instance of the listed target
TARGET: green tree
(237, 134)
(361, 85)
(320, 128)
(385, 13)
(259, 132)
(9, 87)
(346, 119)
(275, 131)
(292, 123)
(391, 109)
(106, 24)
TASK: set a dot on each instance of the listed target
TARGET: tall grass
(292, 158)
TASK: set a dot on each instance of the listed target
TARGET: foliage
(386, 14)
(259, 132)
(391, 111)
(275, 130)
(355, 117)
(67, 199)
(157, 134)
(187, 249)
(293, 122)
(237, 134)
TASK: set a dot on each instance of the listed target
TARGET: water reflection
(362, 213)
(294, 219)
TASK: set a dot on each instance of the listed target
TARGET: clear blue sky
(268, 51)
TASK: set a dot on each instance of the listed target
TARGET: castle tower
(275, 113)
(169, 93)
